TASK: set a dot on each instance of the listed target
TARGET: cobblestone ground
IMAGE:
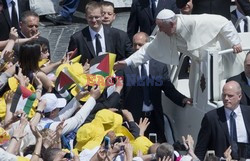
(59, 36)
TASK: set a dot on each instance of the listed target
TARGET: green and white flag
(23, 100)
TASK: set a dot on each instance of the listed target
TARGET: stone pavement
(59, 36)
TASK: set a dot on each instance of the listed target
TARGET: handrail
(231, 50)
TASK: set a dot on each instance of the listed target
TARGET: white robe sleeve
(230, 34)
(139, 57)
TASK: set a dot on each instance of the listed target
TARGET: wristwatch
(39, 111)
(16, 138)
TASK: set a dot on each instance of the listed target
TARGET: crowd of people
(49, 112)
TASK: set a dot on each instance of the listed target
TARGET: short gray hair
(167, 21)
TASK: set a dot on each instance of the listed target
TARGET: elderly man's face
(231, 95)
(167, 28)
(94, 18)
(138, 41)
(29, 27)
(108, 15)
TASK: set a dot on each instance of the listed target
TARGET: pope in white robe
(188, 34)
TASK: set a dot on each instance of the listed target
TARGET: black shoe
(59, 19)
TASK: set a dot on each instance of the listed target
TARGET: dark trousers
(156, 125)
(69, 7)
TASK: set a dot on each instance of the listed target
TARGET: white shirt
(146, 108)
(101, 38)
(240, 124)
(73, 122)
(242, 23)
(9, 4)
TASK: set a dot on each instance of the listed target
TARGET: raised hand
(143, 125)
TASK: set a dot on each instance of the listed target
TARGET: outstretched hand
(120, 65)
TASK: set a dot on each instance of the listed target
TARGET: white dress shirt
(240, 124)
(101, 38)
(9, 4)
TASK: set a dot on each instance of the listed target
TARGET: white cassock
(194, 35)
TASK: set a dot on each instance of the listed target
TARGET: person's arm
(9, 44)
(36, 155)
(38, 115)
(133, 128)
(52, 66)
(189, 145)
(47, 83)
(79, 118)
(169, 89)
(18, 134)
(71, 107)
(128, 152)
(231, 35)
(136, 59)
(21, 41)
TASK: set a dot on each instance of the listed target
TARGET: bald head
(139, 40)
(231, 95)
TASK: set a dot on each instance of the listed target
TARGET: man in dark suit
(29, 24)
(108, 13)
(143, 13)
(142, 93)
(225, 126)
(96, 38)
(243, 80)
(239, 15)
(6, 19)
(245, 5)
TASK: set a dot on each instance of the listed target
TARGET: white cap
(165, 14)
(52, 102)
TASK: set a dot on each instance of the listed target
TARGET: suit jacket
(245, 6)
(141, 17)
(214, 133)
(133, 95)
(5, 21)
(220, 7)
(242, 80)
(113, 40)
(234, 19)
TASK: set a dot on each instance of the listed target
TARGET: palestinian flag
(102, 65)
(23, 100)
(63, 83)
